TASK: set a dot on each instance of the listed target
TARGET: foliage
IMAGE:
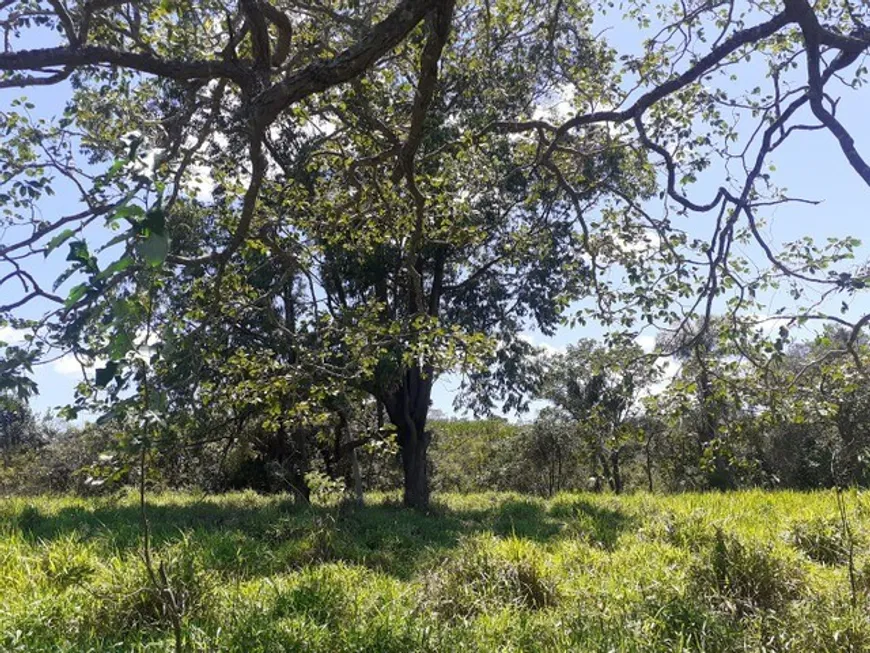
(470, 455)
(286, 211)
(600, 389)
(18, 426)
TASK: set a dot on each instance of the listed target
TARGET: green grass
(749, 571)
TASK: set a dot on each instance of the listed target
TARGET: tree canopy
(277, 208)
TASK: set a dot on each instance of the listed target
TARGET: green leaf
(118, 266)
(105, 374)
(76, 294)
(68, 413)
(154, 249)
(127, 212)
(116, 167)
(78, 252)
(66, 274)
(59, 240)
(155, 221)
(120, 238)
(121, 343)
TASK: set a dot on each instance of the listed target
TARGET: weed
(691, 531)
(131, 602)
(66, 562)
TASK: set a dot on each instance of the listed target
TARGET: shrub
(487, 573)
(745, 577)
(821, 540)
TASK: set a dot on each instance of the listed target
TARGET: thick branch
(353, 61)
(177, 69)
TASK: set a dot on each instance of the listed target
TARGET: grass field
(749, 571)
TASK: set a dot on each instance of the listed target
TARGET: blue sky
(810, 165)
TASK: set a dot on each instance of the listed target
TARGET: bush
(745, 577)
(59, 463)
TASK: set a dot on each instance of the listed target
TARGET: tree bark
(605, 467)
(414, 462)
(357, 477)
(299, 467)
(649, 473)
(721, 477)
(615, 471)
(408, 409)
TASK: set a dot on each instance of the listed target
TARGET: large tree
(398, 160)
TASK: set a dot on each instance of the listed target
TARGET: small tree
(600, 388)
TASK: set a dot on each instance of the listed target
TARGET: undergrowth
(748, 571)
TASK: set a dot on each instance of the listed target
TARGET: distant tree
(474, 455)
(703, 350)
(19, 428)
(601, 388)
(830, 392)
(554, 449)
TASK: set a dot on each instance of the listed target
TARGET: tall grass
(749, 571)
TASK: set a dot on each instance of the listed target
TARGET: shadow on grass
(599, 524)
(250, 539)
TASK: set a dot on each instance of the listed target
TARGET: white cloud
(202, 182)
(11, 336)
(646, 342)
(200, 175)
(670, 368)
(146, 163)
(560, 106)
(548, 349)
(650, 241)
(67, 365)
(144, 344)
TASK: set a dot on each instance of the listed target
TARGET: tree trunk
(605, 467)
(414, 463)
(596, 474)
(649, 474)
(357, 478)
(296, 464)
(408, 409)
(286, 472)
(721, 477)
(617, 474)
